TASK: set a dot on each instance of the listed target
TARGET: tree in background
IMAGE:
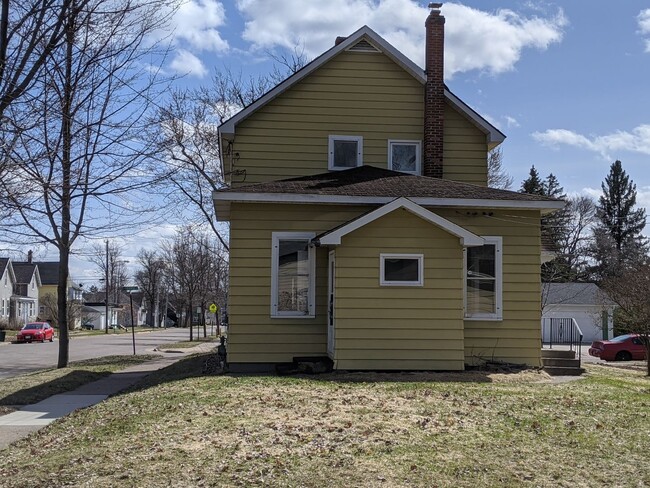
(51, 308)
(630, 290)
(572, 262)
(533, 185)
(497, 177)
(149, 279)
(618, 242)
(118, 275)
(74, 145)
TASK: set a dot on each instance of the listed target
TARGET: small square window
(401, 270)
(345, 152)
(404, 156)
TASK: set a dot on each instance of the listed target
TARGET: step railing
(563, 331)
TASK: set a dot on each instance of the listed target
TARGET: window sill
(293, 316)
(484, 319)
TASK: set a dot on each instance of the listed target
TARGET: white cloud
(644, 27)
(638, 140)
(511, 121)
(475, 39)
(187, 63)
(197, 23)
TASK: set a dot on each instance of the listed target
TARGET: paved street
(17, 359)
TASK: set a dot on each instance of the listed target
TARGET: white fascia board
(466, 237)
(363, 200)
(495, 136)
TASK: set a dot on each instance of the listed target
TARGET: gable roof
(49, 271)
(575, 294)
(333, 237)
(5, 263)
(365, 33)
(371, 185)
(24, 273)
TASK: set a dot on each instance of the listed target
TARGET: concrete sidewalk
(30, 418)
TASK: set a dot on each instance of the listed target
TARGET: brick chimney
(29, 256)
(434, 92)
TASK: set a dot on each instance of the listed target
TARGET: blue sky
(566, 82)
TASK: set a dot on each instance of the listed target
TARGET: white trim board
(466, 237)
(222, 201)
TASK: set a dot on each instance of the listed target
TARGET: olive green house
(361, 224)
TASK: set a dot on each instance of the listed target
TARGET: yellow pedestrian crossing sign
(213, 308)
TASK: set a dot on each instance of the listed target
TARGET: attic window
(364, 46)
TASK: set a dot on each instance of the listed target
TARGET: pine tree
(618, 240)
(533, 184)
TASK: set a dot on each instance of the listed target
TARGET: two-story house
(7, 284)
(361, 224)
(48, 293)
(28, 283)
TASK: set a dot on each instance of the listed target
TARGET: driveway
(17, 359)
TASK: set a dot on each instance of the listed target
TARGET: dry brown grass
(347, 430)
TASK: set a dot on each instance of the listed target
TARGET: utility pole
(106, 287)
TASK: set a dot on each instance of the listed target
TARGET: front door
(330, 305)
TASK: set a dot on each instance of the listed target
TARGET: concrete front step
(562, 362)
(558, 353)
(563, 371)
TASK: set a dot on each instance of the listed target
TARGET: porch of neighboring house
(21, 310)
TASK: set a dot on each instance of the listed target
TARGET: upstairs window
(483, 283)
(345, 152)
(293, 275)
(405, 156)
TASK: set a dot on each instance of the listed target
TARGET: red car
(621, 348)
(36, 331)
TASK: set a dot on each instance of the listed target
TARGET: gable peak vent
(363, 46)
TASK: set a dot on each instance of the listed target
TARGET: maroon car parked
(36, 331)
(621, 348)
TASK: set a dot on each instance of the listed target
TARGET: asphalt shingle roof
(575, 294)
(24, 272)
(3, 265)
(49, 272)
(370, 181)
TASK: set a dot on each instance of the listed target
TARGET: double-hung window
(405, 156)
(345, 152)
(293, 270)
(483, 281)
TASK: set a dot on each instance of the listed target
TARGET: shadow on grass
(35, 394)
(193, 366)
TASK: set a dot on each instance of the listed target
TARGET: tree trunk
(64, 246)
(189, 308)
(205, 329)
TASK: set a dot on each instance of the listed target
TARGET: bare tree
(77, 154)
(118, 275)
(497, 176)
(51, 308)
(185, 131)
(629, 289)
(149, 278)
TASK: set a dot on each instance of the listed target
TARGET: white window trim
(419, 257)
(497, 241)
(275, 254)
(418, 155)
(330, 151)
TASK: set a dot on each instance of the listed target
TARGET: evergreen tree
(618, 243)
(533, 184)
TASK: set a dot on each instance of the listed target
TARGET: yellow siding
(517, 338)
(361, 94)
(362, 306)
(371, 327)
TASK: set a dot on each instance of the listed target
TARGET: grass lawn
(187, 344)
(34, 387)
(348, 430)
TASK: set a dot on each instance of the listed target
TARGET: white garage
(585, 303)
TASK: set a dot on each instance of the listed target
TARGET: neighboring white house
(587, 304)
(95, 314)
(7, 284)
(28, 284)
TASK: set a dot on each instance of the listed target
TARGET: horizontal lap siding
(392, 327)
(253, 335)
(353, 94)
(517, 337)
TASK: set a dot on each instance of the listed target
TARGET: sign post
(130, 290)
(213, 309)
